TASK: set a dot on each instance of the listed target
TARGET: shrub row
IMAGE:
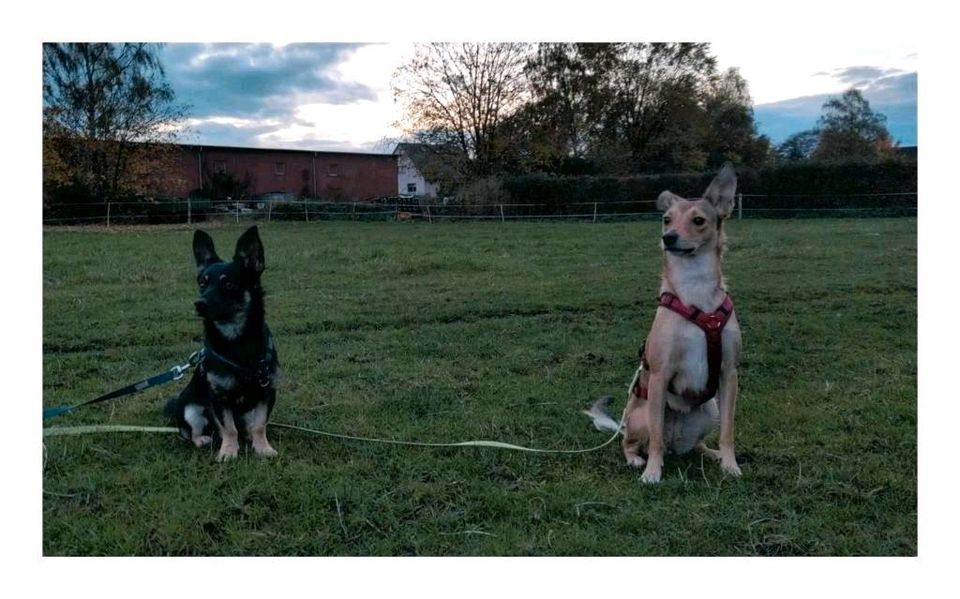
(789, 187)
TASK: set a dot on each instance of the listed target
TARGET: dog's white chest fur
(692, 367)
(220, 383)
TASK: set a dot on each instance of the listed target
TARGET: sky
(339, 96)
(790, 82)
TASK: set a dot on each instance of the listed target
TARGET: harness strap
(260, 374)
(712, 324)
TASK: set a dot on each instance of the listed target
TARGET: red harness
(712, 324)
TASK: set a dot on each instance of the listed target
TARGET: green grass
(487, 331)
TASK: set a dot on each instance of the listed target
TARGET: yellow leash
(56, 431)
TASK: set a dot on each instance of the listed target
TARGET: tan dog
(673, 399)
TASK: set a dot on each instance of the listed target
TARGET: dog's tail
(599, 412)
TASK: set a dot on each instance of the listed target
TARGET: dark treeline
(567, 120)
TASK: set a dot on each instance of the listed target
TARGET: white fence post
(594, 212)
(739, 206)
(108, 214)
(237, 206)
(189, 210)
(429, 218)
(306, 215)
(501, 212)
(269, 210)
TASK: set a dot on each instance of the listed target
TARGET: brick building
(333, 176)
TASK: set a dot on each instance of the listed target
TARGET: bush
(790, 187)
(483, 196)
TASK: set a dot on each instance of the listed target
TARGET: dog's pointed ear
(203, 250)
(249, 252)
(667, 199)
(722, 190)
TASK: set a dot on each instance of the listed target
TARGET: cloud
(256, 80)
(228, 132)
(898, 89)
(889, 91)
(238, 93)
(860, 75)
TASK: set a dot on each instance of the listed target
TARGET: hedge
(791, 187)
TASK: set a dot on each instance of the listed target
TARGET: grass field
(487, 331)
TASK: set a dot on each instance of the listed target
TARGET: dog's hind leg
(193, 414)
(635, 433)
(704, 421)
(713, 454)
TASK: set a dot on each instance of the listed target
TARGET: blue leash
(174, 374)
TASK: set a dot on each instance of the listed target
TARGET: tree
(460, 95)
(657, 113)
(572, 89)
(849, 129)
(629, 107)
(580, 108)
(731, 133)
(799, 146)
(109, 113)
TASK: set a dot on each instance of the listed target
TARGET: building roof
(287, 150)
(430, 159)
(419, 154)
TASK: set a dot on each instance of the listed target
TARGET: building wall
(408, 174)
(335, 176)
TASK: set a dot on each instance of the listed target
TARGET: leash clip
(195, 358)
(181, 369)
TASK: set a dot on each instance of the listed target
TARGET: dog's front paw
(730, 467)
(650, 475)
(227, 453)
(202, 440)
(636, 461)
(265, 452)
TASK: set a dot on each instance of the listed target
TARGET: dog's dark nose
(201, 306)
(670, 239)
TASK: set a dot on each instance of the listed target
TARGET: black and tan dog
(233, 389)
(688, 374)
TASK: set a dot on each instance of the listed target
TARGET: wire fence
(189, 211)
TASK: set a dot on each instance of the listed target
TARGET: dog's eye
(229, 284)
(666, 220)
(203, 281)
(699, 221)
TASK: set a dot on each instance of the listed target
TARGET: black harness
(258, 374)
